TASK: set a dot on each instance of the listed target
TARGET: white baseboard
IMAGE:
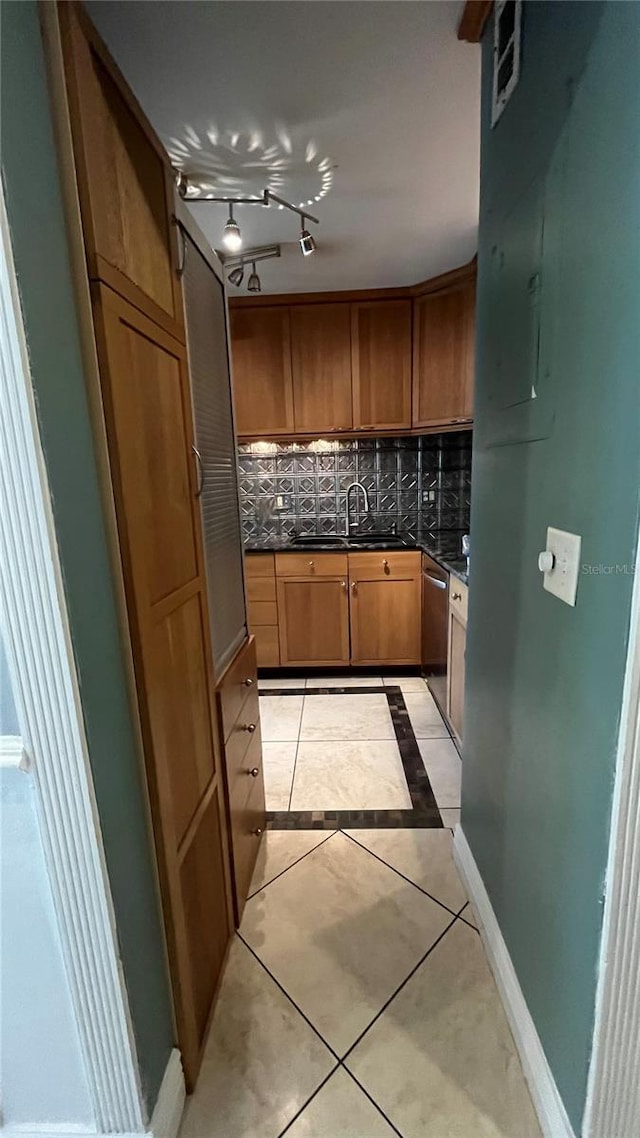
(165, 1120)
(167, 1114)
(549, 1107)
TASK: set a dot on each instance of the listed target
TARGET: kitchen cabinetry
(381, 364)
(313, 609)
(321, 367)
(443, 357)
(262, 379)
(385, 608)
(458, 604)
(260, 570)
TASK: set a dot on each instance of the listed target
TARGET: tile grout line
(295, 758)
(288, 997)
(425, 892)
(371, 1100)
(296, 862)
(398, 989)
(310, 1099)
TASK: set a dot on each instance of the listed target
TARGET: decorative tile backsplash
(415, 485)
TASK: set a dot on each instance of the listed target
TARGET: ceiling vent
(506, 54)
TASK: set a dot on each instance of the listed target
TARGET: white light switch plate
(562, 580)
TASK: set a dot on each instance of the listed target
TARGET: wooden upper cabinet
(321, 365)
(443, 357)
(261, 356)
(124, 178)
(381, 364)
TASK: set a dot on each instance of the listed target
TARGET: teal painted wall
(32, 193)
(544, 681)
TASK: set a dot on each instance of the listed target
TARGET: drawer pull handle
(250, 727)
(255, 772)
(248, 682)
(257, 832)
(456, 596)
(385, 565)
(312, 564)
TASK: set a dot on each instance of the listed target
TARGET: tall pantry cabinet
(150, 365)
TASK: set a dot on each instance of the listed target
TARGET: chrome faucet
(355, 486)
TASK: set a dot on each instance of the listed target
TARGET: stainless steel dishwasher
(435, 622)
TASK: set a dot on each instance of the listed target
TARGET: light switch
(560, 563)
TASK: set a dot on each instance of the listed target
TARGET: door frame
(44, 679)
(613, 1093)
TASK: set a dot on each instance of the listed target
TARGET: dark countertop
(444, 548)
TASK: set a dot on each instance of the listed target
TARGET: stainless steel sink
(341, 541)
(320, 539)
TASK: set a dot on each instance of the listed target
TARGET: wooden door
(149, 426)
(385, 606)
(456, 673)
(381, 364)
(321, 366)
(124, 177)
(313, 615)
(443, 359)
(261, 359)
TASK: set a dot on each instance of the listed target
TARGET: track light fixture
(236, 275)
(307, 242)
(231, 236)
(253, 284)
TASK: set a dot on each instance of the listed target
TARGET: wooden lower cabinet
(313, 615)
(385, 608)
(262, 607)
(458, 599)
(239, 717)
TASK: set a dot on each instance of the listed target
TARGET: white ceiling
(373, 101)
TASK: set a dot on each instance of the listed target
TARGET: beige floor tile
(262, 1060)
(441, 1061)
(340, 1110)
(346, 717)
(350, 775)
(406, 683)
(424, 856)
(278, 761)
(471, 916)
(426, 720)
(280, 717)
(344, 681)
(450, 816)
(281, 682)
(340, 931)
(279, 849)
(443, 766)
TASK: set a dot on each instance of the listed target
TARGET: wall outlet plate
(562, 579)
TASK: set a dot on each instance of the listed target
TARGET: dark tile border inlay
(424, 813)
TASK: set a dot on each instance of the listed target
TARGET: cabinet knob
(257, 832)
(456, 596)
(254, 772)
(385, 565)
(312, 564)
(354, 587)
(250, 727)
(344, 586)
(248, 682)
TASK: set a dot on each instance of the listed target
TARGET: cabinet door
(314, 620)
(149, 426)
(261, 357)
(443, 361)
(321, 364)
(124, 178)
(381, 363)
(457, 649)
(385, 620)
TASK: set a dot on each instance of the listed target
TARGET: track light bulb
(253, 284)
(236, 275)
(307, 243)
(231, 236)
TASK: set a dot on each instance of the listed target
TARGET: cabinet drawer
(239, 679)
(378, 566)
(260, 565)
(267, 646)
(311, 564)
(261, 589)
(241, 736)
(247, 828)
(458, 598)
(262, 612)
